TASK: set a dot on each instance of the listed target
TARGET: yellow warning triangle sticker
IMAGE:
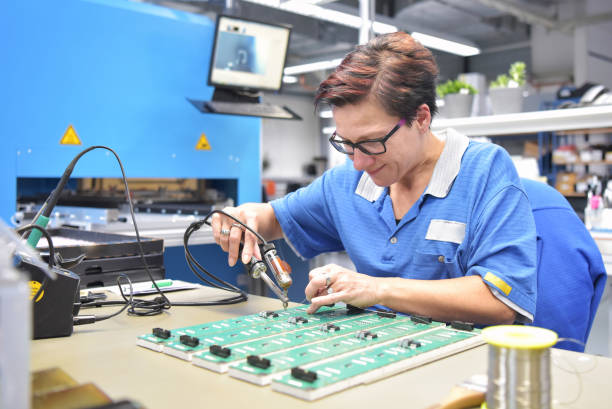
(70, 137)
(203, 144)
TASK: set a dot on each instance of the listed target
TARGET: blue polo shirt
(473, 219)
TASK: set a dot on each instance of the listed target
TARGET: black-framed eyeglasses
(369, 146)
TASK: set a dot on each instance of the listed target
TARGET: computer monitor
(248, 54)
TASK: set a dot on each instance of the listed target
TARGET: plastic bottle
(15, 328)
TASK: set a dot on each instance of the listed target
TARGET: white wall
(552, 52)
(582, 55)
(289, 144)
(593, 52)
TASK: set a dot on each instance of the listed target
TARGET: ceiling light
(382, 28)
(310, 67)
(449, 46)
(289, 79)
(328, 130)
(326, 114)
(309, 9)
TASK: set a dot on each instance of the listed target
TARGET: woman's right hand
(228, 234)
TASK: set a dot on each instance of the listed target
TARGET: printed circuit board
(312, 356)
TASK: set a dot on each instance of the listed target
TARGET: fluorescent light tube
(310, 67)
(289, 79)
(445, 45)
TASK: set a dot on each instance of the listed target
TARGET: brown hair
(395, 68)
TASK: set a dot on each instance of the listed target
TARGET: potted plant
(506, 92)
(458, 98)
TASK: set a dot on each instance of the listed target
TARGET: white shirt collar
(444, 174)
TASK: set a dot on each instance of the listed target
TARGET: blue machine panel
(120, 72)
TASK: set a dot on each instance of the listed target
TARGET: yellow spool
(519, 336)
(519, 366)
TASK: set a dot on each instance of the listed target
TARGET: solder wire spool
(519, 367)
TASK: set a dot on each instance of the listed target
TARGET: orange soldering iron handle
(280, 269)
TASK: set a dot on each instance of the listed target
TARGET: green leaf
(454, 87)
(516, 73)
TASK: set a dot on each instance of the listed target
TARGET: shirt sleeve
(503, 250)
(307, 219)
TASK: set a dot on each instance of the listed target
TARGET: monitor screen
(248, 54)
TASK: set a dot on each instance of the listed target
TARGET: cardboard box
(565, 182)
(531, 149)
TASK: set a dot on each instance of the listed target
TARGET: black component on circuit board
(365, 335)
(351, 310)
(189, 341)
(297, 320)
(220, 351)
(303, 374)
(268, 314)
(329, 327)
(409, 343)
(419, 319)
(386, 314)
(463, 326)
(161, 333)
(258, 362)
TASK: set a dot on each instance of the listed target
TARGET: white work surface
(106, 354)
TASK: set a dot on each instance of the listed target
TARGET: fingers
(327, 299)
(228, 234)
(234, 239)
(250, 240)
(215, 223)
(320, 279)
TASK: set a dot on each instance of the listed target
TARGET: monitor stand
(226, 95)
(231, 95)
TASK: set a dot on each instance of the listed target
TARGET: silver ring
(241, 227)
(327, 281)
(330, 290)
(225, 232)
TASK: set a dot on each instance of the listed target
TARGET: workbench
(106, 354)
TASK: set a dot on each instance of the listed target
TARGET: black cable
(138, 307)
(142, 307)
(28, 228)
(127, 302)
(194, 266)
(209, 215)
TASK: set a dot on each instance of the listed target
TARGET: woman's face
(368, 120)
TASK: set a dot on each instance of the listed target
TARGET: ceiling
(488, 24)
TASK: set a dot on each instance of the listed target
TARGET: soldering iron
(257, 268)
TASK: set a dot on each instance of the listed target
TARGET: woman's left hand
(331, 283)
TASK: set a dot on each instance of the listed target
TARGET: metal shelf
(597, 117)
(581, 163)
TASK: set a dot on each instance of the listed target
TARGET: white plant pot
(458, 105)
(506, 100)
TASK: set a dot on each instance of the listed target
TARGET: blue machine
(120, 73)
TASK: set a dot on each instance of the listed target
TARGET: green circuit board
(311, 356)
(211, 329)
(240, 351)
(315, 381)
(283, 361)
